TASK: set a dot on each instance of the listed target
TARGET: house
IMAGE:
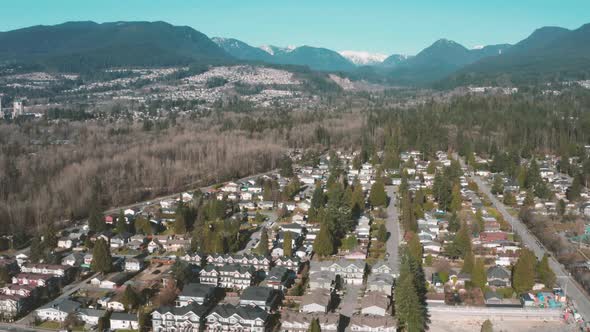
(87, 260)
(154, 246)
(90, 316)
(55, 270)
(375, 303)
(292, 321)
(57, 311)
(380, 282)
(321, 280)
(265, 298)
(124, 321)
(278, 278)
(115, 303)
(498, 276)
(175, 245)
(192, 258)
(113, 282)
(120, 240)
(172, 319)
(66, 243)
(196, 293)
(12, 306)
(317, 301)
(27, 291)
(133, 265)
(366, 323)
(352, 272)
(236, 276)
(226, 317)
(291, 263)
(381, 267)
(73, 259)
(209, 275)
(38, 280)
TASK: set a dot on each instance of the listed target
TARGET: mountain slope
(109, 44)
(548, 54)
(241, 50)
(394, 60)
(316, 58)
(361, 58)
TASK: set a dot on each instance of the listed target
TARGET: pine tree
(180, 221)
(478, 275)
(468, 262)
(487, 326)
(410, 296)
(130, 298)
(36, 251)
(378, 197)
(314, 326)
(461, 243)
(529, 199)
(288, 244)
(523, 274)
(509, 199)
(456, 199)
(121, 224)
(454, 223)
(574, 191)
(545, 272)
(101, 257)
(414, 246)
(324, 244)
(498, 185)
(262, 248)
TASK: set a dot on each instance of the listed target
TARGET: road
(350, 301)
(393, 227)
(272, 218)
(564, 280)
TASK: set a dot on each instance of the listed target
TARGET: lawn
(50, 325)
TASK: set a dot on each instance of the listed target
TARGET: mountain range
(549, 53)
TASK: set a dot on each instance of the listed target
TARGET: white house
(124, 321)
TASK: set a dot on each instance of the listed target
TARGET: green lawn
(50, 325)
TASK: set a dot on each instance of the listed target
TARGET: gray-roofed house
(90, 316)
(367, 323)
(186, 318)
(124, 321)
(498, 276)
(375, 303)
(380, 282)
(317, 301)
(226, 317)
(292, 321)
(196, 293)
(321, 280)
(265, 298)
(57, 310)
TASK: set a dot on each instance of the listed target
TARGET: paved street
(393, 227)
(272, 218)
(350, 300)
(565, 281)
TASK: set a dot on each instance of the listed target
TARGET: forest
(53, 170)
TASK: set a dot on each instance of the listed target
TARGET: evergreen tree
(50, 238)
(286, 167)
(96, 219)
(130, 298)
(180, 221)
(36, 251)
(456, 199)
(478, 275)
(529, 199)
(101, 257)
(324, 243)
(468, 262)
(378, 197)
(487, 326)
(4, 276)
(533, 175)
(262, 248)
(414, 246)
(574, 191)
(509, 199)
(561, 206)
(523, 273)
(454, 223)
(545, 272)
(498, 185)
(121, 224)
(288, 244)
(410, 296)
(314, 326)
(461, 243)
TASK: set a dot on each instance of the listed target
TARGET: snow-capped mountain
(275, 50)
(362, 58)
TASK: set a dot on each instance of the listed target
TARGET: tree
(381, 233)
(410, 295)
(36, 251)
(574, 191)
(4, 276)
(378, 197)
(454, 223)
(414, 246)
(545, 272)
(179, 220)
(101, 257)
(498, 185)
(288, 244)
(286, 167)
(130, 298)
(509, 199)
(181, 272)
(529, 199)
(121, 223)
(487, 326)
(461, 243)
(262, 248)
(478, 275)
(49, 237)
(561, 206)
(523, 273)
(324, 243)
(468, 262)
(314, 326)
(456, 199)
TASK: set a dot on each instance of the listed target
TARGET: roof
(197, 290)
(306, 318)
(257, 293)
(372, 321)
(92, 312)
(63, 305)
(498, 272)
(195, 308)
(250, 313)
(375, 299)
(318, 296)
(123, 316)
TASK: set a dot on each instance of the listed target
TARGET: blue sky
(385, 26)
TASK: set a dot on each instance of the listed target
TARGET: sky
(378, 26)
